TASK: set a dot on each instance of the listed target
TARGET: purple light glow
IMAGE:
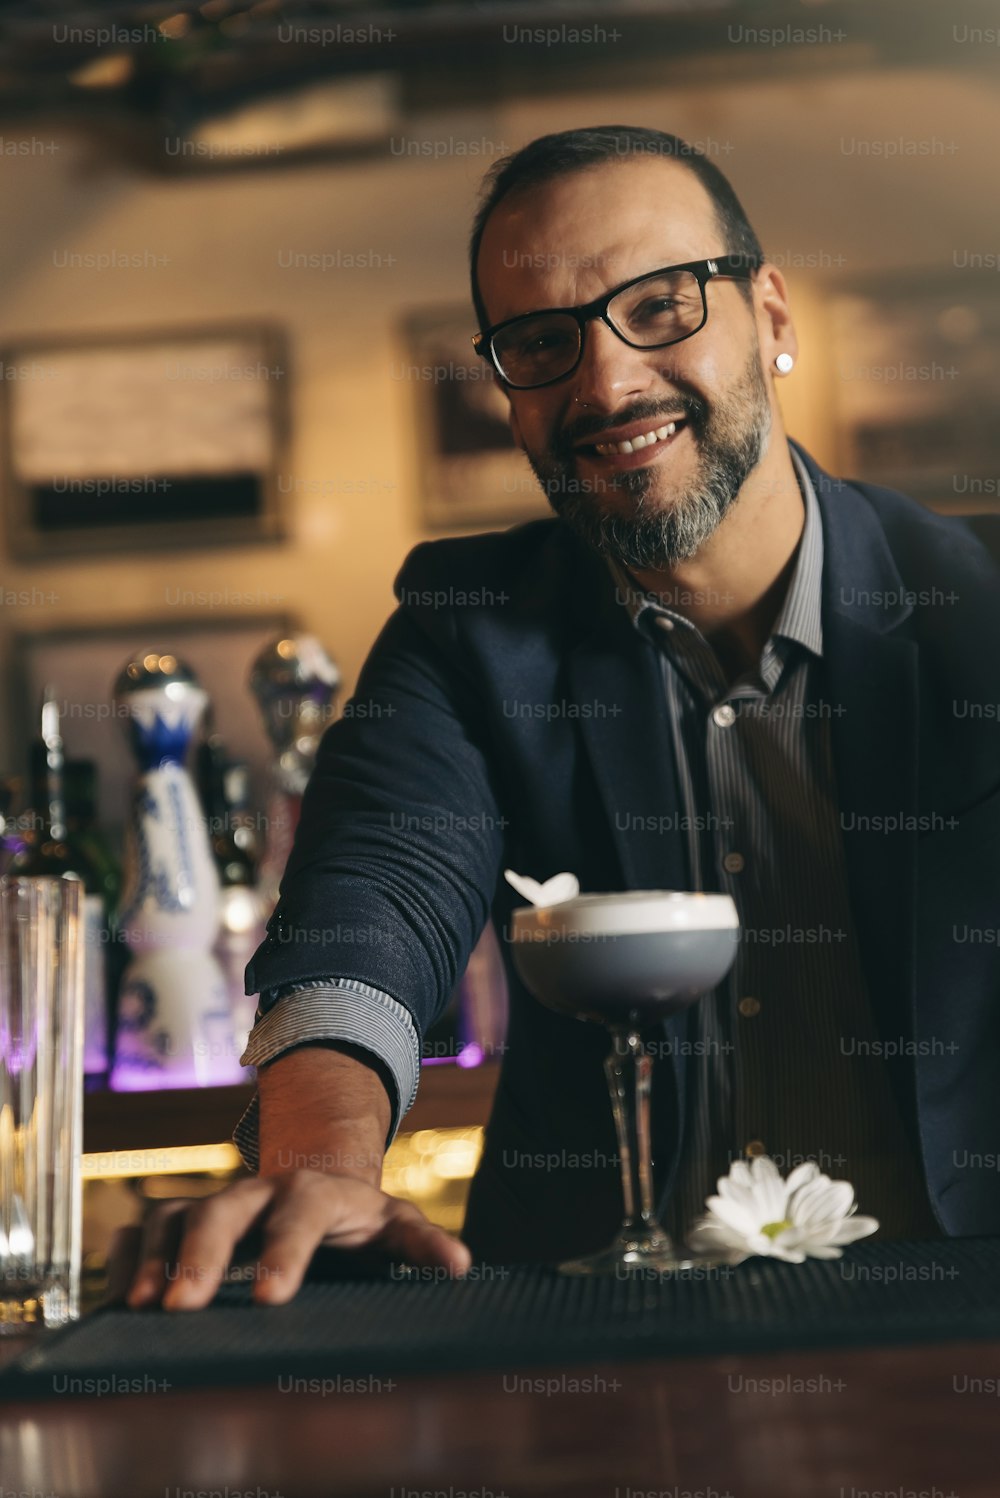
(469, 1055)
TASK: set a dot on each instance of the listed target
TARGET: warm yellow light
(175, 26)
(104, 72)
(184, 1159)
(457, 1159)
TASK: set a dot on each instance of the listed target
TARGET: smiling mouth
(654, 436)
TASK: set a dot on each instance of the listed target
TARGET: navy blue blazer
(508, 708)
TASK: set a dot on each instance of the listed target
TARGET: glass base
(642, 1253)
(25, 1308)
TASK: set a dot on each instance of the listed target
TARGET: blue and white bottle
(175, 1026)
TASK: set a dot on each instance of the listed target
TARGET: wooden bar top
(910, 1422)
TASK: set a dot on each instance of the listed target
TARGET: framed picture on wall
(916, 361)
(470, 474)
(130, 441)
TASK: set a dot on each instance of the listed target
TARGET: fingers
(157, 1238)
(185, 1248)
(123, 1261)
(300, 1219)
(410, 1237)
(354, 1215)
(183, 1244)
(212, 1227)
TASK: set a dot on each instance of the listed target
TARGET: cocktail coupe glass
(628, 961)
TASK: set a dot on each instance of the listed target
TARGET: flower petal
(528, 888)
(735, 1191)
(770, 1192)
(853, 1228)
(801, 1175)
(820, 1201)
(732, 1214)
(788, 1252)
(739, 1175)
(711, 1238)
(560, 887)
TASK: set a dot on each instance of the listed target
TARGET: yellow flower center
(772, 1229)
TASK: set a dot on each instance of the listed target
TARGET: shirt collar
(800, 616)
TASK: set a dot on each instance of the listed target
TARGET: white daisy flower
(756, 1212)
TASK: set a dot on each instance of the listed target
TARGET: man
(717, 668)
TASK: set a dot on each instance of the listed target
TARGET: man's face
(563, 244)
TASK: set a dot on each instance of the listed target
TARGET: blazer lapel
(871, 669)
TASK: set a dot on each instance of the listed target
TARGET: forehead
(565, 241)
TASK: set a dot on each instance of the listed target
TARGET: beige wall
(222, 236)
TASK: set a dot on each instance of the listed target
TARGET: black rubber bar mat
(346, 1327)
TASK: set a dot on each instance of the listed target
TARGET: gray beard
(731, 441)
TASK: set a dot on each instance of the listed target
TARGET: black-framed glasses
(651, 311)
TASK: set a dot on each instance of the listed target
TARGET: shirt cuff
(331, 1009)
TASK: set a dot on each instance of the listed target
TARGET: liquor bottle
(295, 683)
(224, 786)
(102, 878)
(50, 852)
(175, 1026)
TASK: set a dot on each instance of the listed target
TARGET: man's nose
(609, 371)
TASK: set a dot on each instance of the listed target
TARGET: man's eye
(655, 306)
(541, 343)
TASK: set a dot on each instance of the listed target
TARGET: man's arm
(335, 1099)
(389, 883)
(398, 848)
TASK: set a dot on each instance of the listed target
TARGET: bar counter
(878, 1385)
(668, 1427)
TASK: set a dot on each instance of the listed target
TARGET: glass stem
(629, 1071)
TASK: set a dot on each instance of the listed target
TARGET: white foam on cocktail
(627, 912)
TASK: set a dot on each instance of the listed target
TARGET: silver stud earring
(784, 363)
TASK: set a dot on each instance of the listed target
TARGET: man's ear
(776, 330)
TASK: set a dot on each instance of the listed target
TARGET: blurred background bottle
(101, 871)
(61, 841)
(224, 788)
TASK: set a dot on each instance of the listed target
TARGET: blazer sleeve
(398, 848)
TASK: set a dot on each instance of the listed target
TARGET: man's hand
(182, 1252)
(319, 1106)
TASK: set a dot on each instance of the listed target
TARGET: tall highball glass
(41, 1100)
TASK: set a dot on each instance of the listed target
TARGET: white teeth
(635, 444)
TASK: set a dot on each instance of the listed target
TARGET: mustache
(690, 407)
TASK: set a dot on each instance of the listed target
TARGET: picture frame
(916, 364)
(164, 438)
(471, 474)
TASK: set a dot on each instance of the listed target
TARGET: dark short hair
(553, 156)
